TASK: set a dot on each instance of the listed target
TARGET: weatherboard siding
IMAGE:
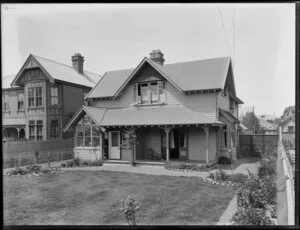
(204, 103)
(197, 144)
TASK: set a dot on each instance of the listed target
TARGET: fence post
(19, 159)
(48, 159)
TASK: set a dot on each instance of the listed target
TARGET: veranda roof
(142, 116)
(13, 122)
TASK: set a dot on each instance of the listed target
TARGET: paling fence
(285, 187)
(255, 145)
(22, 153)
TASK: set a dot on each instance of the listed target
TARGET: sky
(260, 38)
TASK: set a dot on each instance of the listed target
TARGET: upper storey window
(150, 92)
(54, 96)
(35, 98)
(5, 102)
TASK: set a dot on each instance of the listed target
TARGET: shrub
(69, 164)
(63, 165)
(220, 175)
(34, 169)
(224, 160)
(238, 178)
(251, 216)
(266, 168)
(211, 176)
(97, 163)
(76, 162)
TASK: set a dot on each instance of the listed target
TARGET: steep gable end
(229, 82)
(31, 70)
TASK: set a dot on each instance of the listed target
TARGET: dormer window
(150, 92)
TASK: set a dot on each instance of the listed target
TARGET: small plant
(251, 216)
(238, 178)
(63, 165)
(130, 206)
(34, 169)
(76, 162)
(97, 163)
(224, 160)
(220, 175)
(211, 176)
(266, 168)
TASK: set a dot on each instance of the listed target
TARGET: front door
(115, 150)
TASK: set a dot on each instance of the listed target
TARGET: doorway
(178, 144)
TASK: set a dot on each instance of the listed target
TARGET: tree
(251, 122)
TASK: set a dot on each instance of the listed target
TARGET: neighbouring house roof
(283, 123)
(62, 72)
(229, 116)
(185, 76)
(13, 121)
(267, 125)
(161, 115)
(7, 80)
(243, 127)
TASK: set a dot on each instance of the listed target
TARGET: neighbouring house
(289, 112)
(42, 97)
(268, 127)
(288, 125)
(180, 111)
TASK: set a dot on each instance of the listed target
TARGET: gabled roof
(58, 71)
(160, 115)
(229, 116)
(267, 125)
(283, 123)
(185, 76)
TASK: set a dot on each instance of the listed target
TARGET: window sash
(150, 92)
(54, 96)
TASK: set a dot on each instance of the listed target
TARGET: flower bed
(81, 163)
(185, 167)
(256, 199)
(220, 177)
(32, 170)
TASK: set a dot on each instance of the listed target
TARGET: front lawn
(94, 198)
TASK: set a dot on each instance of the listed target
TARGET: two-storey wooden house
(42, 97)
(180, 111)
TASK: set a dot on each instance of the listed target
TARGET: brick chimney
(157, 56)
(77, 61)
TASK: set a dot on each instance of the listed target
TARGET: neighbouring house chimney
(157, 56)
(77, 61)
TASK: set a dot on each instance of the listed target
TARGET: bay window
(87, 133)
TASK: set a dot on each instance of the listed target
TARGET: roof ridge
(62, 64)
(196, 60)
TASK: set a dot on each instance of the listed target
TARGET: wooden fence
(285, 187)
(21, 153)
(256, 145)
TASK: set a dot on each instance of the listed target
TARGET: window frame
(35, 97)
(54, 126)
(6, 102)
(39, 130)
(20, 102)
(144, 92)
(53, 96)
(90, 135)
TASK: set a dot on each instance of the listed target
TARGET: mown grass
(94, 198)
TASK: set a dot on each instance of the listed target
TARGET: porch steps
(150, 163)
(116, 162)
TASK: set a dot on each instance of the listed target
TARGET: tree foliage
(251, 122)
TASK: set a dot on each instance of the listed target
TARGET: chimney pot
(77, 61)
